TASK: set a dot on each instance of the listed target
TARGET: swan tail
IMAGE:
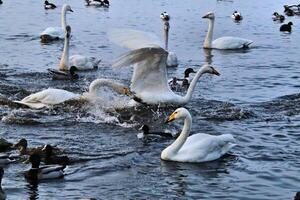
(138, 55)
(96, 63)
(247, 44)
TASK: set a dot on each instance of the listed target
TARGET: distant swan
(55, 33)
(52, 96)
(172, 60)
(149, 80)
(79, 61)
(222, 42)
(198, 147)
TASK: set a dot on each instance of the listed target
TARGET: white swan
(172, 60)
(55, 33)
(199, 147)
(52, 96)
(79, 61)
(149, 81)
(222, 42)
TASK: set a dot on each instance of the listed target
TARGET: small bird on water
(286, 27)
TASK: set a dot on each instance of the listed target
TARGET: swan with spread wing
(149, 80)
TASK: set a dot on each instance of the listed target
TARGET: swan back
(231, 43)
(47, 97)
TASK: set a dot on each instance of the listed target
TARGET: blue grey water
(256, 99)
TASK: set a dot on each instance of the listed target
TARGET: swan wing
(203, 147)
(149, 80)
(231, 43)
(54, 32)
(47, 97)
(133, 39)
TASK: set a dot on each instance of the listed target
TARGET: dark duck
(62, 75)
(51, 158)
(48, 5)
(286, 27)
(37, 173)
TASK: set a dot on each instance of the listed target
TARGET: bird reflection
(33, 191)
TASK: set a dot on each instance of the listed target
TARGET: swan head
(209, 15)
(68, 8)
(179, 113)
(210, 69)
(188, 71)
(165, 16)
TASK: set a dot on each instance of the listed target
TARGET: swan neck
(166, 34)
(178, 143)
(192, 86)
(64, 61)
(117, 87)
(63, 18)
(209, 34)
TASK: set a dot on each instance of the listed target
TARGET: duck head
(188, 71)
(35, 160)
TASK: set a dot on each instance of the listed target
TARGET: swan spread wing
(133, 39)
(231, 43)
(149, 79)
(203, 147)
(54, 32)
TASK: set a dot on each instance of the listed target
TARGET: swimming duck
(236, 16)
(48, 5)
(1, 2)
(100, 3)
(5, 145)
(37, 173)
(61, 75)
(288, 11)
(22, 145)
(278, 17)
(146, 132)
(50, 158)
(2, 193)
(286, 27)
(185, 82)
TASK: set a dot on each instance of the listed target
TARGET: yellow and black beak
(215, 72)
(171, 117)
(127, 92)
